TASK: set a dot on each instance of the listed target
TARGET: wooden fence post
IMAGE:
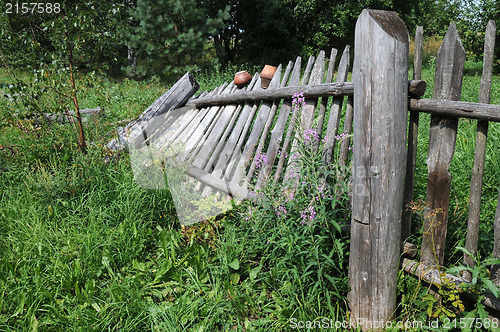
(380, 78)
(442, 137)
(476, 183)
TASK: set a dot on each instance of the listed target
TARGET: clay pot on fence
(242, 78)
(266, 75)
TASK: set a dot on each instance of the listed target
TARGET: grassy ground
(84, 248)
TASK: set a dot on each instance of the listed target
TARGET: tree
(227, 38)
(171, 35)
(72, 36)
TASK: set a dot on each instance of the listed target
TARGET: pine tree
(171, 35)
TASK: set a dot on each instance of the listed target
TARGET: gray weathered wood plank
(457, 109)
(181, 139)
(442, 138)
(193, 140)
(480, 151)
(317, 74)
(307, 71)
(310, 91)
(279, 130)
(436, 277)
(334, 119)
(265, 131)
(412, 138)
(214, 136)
(324, 101)
(495, 270)
(292, 165)
(175, 97)
(240, 129)
(253, 138)
(380, 78)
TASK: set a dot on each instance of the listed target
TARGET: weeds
(84, 248)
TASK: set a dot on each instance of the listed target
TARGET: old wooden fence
(220, 134)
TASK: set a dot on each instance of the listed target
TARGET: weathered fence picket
(324, 101)
(279, 127)
(334, 119)
(442, 137)
(476, 183)
(412, 138)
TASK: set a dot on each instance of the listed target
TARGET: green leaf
(235, 278)
(471, 315)
(466, 252)
(254, 272)
(457, 269)
(491, 287)
(235, 265)
(163, 269)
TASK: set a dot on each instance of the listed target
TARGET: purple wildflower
(311, 135)
(341, 136)
(260, 160)
(249, 216)
(281, 211)
(308, 215)
(298, 101)
(280, 152)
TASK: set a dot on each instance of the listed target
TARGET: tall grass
(84, 248)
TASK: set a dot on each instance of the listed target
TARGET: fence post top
(389, 21)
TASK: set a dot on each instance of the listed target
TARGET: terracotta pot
(242, 78)
(266, 75)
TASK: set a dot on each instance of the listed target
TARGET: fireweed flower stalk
(298, 101)
(261, 160)
(305, 196)
(310, 136)
(295, 224)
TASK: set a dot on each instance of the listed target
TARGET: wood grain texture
(411, 157)
(206, 128)
(380, 80)
(310, 91)
(316, 78)
(334, 118)
(442, 137)
(436, 277)
(278, 130)
(265, 131)
(495, 270)
(229, 154)
(253, 139)
(324, 101)
(175, 97)
(457, 109)
(292, 166)
(286, 143)
(476, 185)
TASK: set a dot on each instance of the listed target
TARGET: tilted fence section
(220, 135)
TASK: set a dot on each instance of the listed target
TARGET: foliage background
(167, 37)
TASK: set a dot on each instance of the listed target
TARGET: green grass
(84, 248)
